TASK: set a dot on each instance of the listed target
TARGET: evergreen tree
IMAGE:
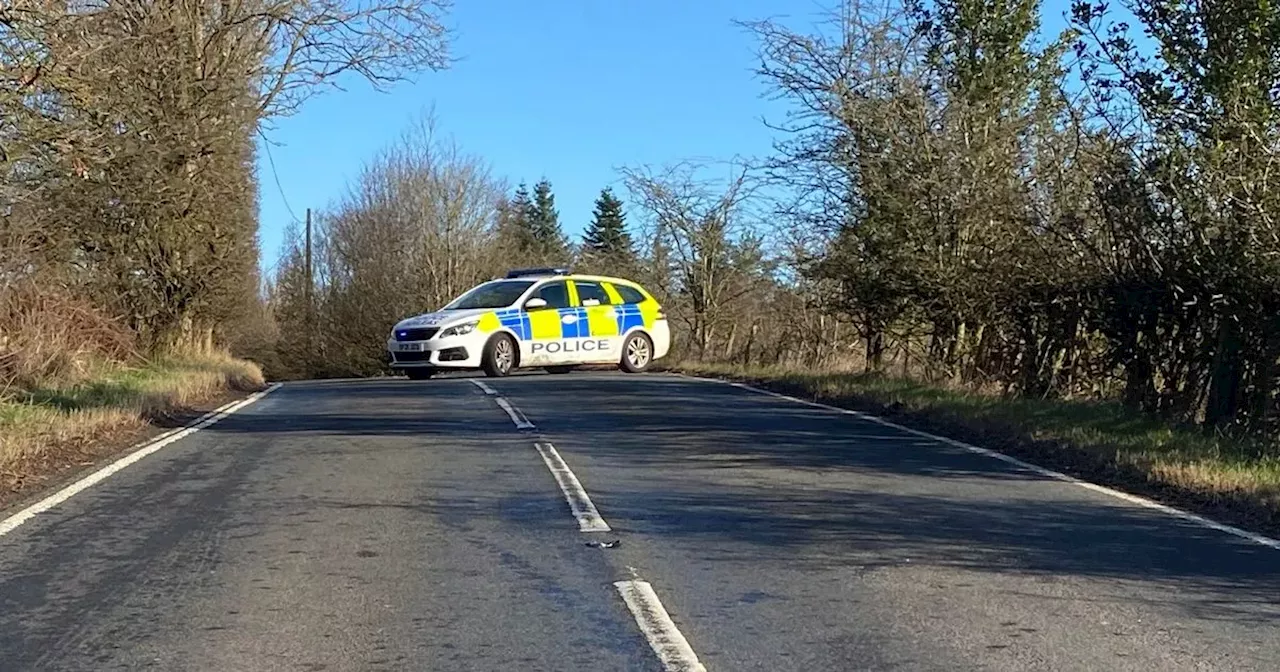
(515, 224)
(607, 234)
(523, 208)
(544, 224)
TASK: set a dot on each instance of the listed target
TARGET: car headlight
(459, 329)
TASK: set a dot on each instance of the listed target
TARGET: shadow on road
(374, 407)
(746, 477)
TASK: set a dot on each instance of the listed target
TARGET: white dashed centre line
(663, 635)
(589, 519)
(516, 416)
(514, 413)
(485, 387)
(661, 632)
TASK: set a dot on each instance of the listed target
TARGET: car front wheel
(637, 353)
(499, 356)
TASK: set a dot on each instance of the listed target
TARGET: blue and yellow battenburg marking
(628, 316)
(594, 321)
(517, 321)
(577, 328)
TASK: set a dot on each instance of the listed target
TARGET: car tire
(500, 356)
(637, 353)
(559, 369)
(419, 374)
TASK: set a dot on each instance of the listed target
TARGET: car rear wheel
(637, 353)
(499, 356)
(560, 369)
(419, 374)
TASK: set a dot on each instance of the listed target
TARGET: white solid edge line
(13, 522)
(516, 416)
(1132, 499)
(663, 635)
(584, 511)
(485, 387)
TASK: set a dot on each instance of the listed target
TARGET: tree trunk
(1224, 380)
(875, 352)
(1265, 383)
(956, 354)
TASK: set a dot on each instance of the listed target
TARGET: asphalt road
(398, 525)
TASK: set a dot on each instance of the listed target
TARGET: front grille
(453, 354)
(418, 334)
(412, 356)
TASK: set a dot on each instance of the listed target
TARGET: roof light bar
(529, 272)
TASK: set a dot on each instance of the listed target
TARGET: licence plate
(409, 347)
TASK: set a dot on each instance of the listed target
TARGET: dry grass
(73, 386)
(43, 427)
(1231, 477)
(48, 335)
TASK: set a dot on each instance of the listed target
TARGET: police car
(541, 317)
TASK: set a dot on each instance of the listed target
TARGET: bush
(47, 336)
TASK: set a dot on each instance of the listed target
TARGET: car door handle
(569, 319)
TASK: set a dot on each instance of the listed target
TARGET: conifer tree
(607, 234)
(515, 224)
(550, 243)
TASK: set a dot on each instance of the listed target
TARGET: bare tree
(310, 43)
(414, 231)
(135, 121)
(704, 229)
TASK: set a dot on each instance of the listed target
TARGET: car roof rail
(530, 272)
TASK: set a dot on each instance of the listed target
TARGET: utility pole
(310, 305)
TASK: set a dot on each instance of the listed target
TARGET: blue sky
(569, 90)
(566, 89)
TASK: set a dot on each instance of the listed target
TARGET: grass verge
(1233, 480)
(46, 431)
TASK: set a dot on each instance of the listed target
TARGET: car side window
(629, 294)
(591, 294)
(556, 294)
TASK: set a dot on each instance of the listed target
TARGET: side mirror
(535, 303)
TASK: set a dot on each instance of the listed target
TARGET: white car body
(602, 330)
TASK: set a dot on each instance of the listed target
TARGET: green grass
(156, 384)
(42, 427)
(1097, 440)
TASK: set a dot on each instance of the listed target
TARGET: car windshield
(496, 294)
